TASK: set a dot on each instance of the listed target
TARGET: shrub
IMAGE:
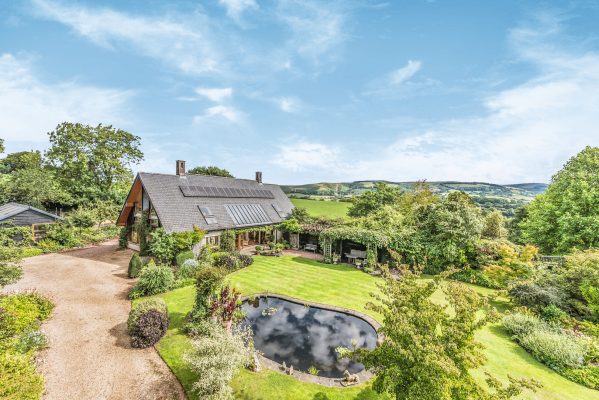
(123, 237)
(31, 252)
(246, 260)
(49, 246)
(537, 297)
(475, 277)
(27, 310)
(134, 266)
(9, 274)
(153, 279)
(186, 240)
(62, 234)
(587, 376)
(553, 313)
(31, 340)
(148, 322)
(188, 269)
(227, 240)
(556, 350)
(163, 246)
(18, 377)
(184, 256)
(216, 356)
(207, 281)
(520, 324)
(259, 249)
(225, 260)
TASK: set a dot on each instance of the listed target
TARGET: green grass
(316, 208)
(346, 287)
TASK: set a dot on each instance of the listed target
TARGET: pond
(306, 336)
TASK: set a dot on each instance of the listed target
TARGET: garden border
(364, 375)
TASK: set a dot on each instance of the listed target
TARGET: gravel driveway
(89, 356)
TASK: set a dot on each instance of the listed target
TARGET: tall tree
(449, 231)
(21, 160)
(429, 348)
(494, 226)
(566, 216)
(369, 202)
(94, 161)
(210, 170)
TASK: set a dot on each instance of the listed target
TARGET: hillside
(505, 198)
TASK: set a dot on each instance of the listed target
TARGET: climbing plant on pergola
(373, 240)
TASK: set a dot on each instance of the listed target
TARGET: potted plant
(258, 249)
(335, 258)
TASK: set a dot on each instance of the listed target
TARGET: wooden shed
(16, 214)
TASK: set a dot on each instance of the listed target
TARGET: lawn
(316, 208)
(350, 288)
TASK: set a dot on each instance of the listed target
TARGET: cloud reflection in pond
(307, 336)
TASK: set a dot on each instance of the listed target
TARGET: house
(180, 202)
(15, 214)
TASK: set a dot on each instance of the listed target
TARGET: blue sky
(307, 91)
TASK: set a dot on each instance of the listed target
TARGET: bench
(311, 247)
(354, 255)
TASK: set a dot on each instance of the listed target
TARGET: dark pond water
(306, 336)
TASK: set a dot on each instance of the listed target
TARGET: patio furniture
(354, 255)
(311, 247)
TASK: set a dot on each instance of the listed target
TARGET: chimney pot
(180, 168)
(259, 177)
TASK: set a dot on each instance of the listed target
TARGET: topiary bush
(153, 279)
(135, 266)
(184, 256)
(148, 322)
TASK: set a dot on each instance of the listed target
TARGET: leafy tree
(429, 348)
(368, 202)
(514, 228)
(21, 160)
(494, 226)
(210, 170)
(300, 214)
(93, 160)
(449, 231)
(81, 218)
(1, 145)
(36, 187)
(566, 216)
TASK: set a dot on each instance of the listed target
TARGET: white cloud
(230, 114)
(529, 131)
(29, 108)
(217, 95)
(288, 104)
(304, 155)
(236, 8)
(184, 45)
(404, 73)
(317, 27)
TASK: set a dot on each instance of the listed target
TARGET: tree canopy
(368, 202)
(566, 216)
(94, 161)
(210, 170)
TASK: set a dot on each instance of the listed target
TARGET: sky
(309, 91)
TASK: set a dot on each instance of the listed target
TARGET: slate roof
(9, 210)
(234, 203)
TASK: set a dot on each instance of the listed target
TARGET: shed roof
(212, 202)
(9, 210)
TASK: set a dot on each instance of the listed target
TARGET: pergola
(373, 240)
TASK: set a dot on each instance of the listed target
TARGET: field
(317, 208)
(346, 287)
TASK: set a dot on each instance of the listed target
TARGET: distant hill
(505, 198)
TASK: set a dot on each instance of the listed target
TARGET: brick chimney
(259, 177)
(180, 168)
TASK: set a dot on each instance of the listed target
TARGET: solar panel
(247, 214)
(279, 211)
(226, 192)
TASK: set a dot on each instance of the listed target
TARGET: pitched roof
(213, 202)
(11, 209)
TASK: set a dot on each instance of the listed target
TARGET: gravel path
(89, 356)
